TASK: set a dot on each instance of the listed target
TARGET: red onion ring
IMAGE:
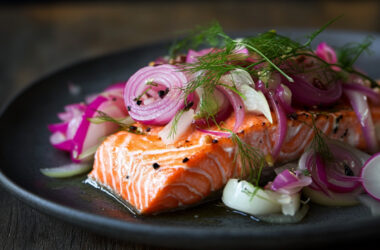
(332, 177)
(304, 93)
(81, 132)
(192, 54)
(75, 134)
(360, 106)
(370, 176)
(237, 105)
(370, 93)
(287, 182)
(281, 97)
(282, 125)
(161, 110)
(223, 113)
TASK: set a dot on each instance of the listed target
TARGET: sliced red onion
(81, 132)
(72, 111)
(328, 54)
(288, 182)
(76, 134)
(360, 105)
(306, 94)
(282, 126)
(58, 127)
(192, 54)
(216, 133)
(66, 171)
(284, 97)
(339, 175)
(237, 105)
(224, 109)
(370, 175)
(336, 181)
(162, 110)
(370, 93)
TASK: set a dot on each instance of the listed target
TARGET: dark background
(39, 37)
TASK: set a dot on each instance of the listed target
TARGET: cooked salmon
(153, 177)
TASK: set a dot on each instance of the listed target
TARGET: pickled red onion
(161, 110)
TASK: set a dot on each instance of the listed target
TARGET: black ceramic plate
(25, 148)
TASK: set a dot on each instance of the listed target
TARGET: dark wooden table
(38, 39)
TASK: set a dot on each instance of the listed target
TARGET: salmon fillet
(153, 177)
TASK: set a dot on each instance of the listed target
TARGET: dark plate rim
(195, 236)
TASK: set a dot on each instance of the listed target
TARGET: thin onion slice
(338, 179)
(220, 106)
(360, 105)
(306, 94)
(237, 105)
(254, 100)
(370, 93)
(282, 126)
(66, 171)
(288, 182)
(76, 133)
(192, 54)
(370, 175)
(162, 110)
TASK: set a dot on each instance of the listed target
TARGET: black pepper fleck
(214, 141)
(156, 165)
(189, 105)
(293, 116)
(132, 128)
(335, 130)
(345, 133)
(187, 141)
(138, 102)
(263, 123)
(161, 93)
(129, 108)
(347, 170)
(185, 160)
(147, 129)
(339, 118)
(127, 177)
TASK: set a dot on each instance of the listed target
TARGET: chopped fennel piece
(254, 101)
(66, 171)
(245, 197)
(182, 125)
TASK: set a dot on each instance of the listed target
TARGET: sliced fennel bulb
(245, 197)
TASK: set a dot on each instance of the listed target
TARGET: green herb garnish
(123, 123)
(252, 160)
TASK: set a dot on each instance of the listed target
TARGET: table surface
(38, 39)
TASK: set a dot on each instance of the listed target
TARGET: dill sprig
(251, 159)
(123, 123)
(201, 35)
(318, 144)
(349, 53)
(173, 129)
